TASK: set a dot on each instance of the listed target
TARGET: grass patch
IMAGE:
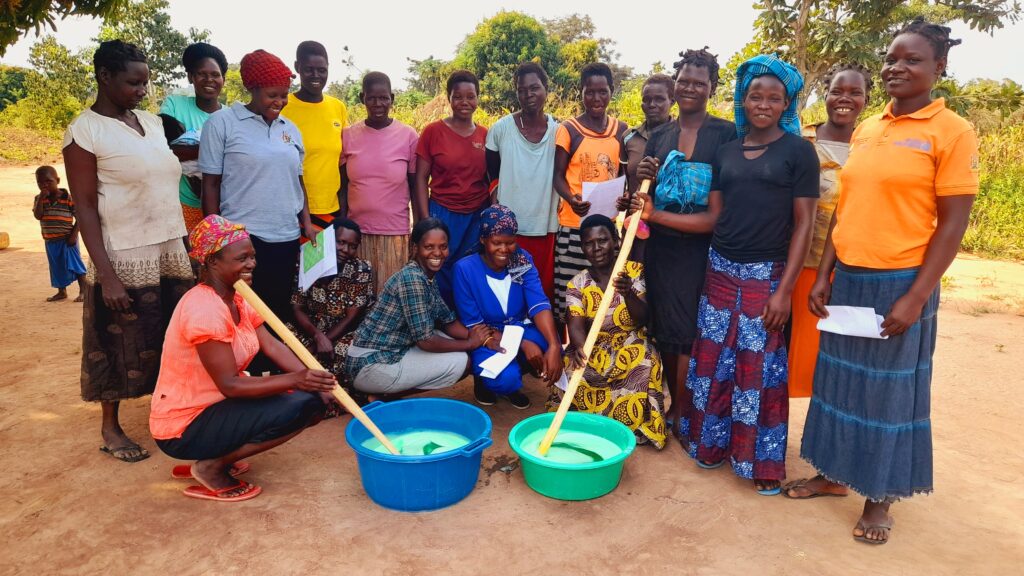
(25, 146)
(996, 227)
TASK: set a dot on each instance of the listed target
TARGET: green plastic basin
(573, 481)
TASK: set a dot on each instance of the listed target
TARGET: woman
(869, 426)
(764, 189)
(450, 159)
(205, 407)
(124, 180)
(251, 159)
(205, 67)
(656, 104)
(588, 149)
(498, 287)
(411, 341)
(327, 315)
(847, 87)
(622, 380)
(378, 170)
(678, 160)
(320, 118)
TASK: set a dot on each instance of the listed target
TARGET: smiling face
(126, 89)
(463, 99)
(910, 68)
(207, 79)
(498, 249)
(346, 242)
(693, 88)
(599, 246)
(378, 99)
(234, 262)
(655, 101)
(846, 98)
(312, 71)
(531, 93)
(431, 251)
(765, 101)
(596, 96)
(269, 101)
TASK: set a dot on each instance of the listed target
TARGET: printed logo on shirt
(975, 163)
(286, 138)
(337, 124)
(477, 145)
(922, 145)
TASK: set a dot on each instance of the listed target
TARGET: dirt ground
(67, 508)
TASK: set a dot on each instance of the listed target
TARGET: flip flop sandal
(184, 471)
(798, 484)
(119, 453)
(203, 493)
(770, 491)
(887, 526)
(708, 466)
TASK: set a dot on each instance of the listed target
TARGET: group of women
(453, 243)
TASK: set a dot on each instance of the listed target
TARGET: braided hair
(836, 69)
(114, 56)
(936, 35)
(701, 59)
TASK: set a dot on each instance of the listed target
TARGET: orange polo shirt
(898, 167)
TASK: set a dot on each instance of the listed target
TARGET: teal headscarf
(762, 65)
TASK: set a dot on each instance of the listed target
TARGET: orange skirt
(803, 342)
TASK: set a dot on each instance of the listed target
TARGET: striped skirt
(868, 426)
(569, 261)
(387, 255)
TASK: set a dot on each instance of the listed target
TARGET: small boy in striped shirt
(55, 210)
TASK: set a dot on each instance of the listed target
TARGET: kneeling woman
(622, 380)
(205, 408)
(411, 340)
(499, 286)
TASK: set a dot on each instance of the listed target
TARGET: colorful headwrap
(500, 220)
(212, 234)
(260, 69)
(762, 65)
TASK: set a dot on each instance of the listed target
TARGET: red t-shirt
(458, 167)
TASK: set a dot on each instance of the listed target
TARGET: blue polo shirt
(260, 165)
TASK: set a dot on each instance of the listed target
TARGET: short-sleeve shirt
(407, 311)
(259, 165)
(596, 159)
(525, 181)
(484, 296)
(184, 388)
(897, 169)
(183, 109)
(137, 178)
(458, 166)
(831, 157)
(756, 223)
(378, 163)
(634, 145)
(321, 124)
(58, 216)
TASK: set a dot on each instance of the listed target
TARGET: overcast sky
(380, 35)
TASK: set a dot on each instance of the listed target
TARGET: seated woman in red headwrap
(205, 408)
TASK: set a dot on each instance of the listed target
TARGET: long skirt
(387, 255)
(463, 238)
(674, 267)
(542, 250)
(735, 404)
(869, 426)
(121, 350)
(569, 261)
(803, 339)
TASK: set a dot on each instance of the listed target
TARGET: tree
(577, 32)
(428, 75)
(13, 84)
(60, 70)
(18, 17)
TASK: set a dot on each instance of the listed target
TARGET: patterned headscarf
(500, 220)
(212, 234)
(261, 69)
(762, 65)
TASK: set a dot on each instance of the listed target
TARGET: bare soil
(67, 508)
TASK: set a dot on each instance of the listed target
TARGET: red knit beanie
(261, 69)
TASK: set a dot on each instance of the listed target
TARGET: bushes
(996, 227)
(24, 146)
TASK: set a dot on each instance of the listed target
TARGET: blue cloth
(463, 239)
(260, 165)
(477, 303)
(869, 426)
(790, 77)
(682, 186)
(65, 263)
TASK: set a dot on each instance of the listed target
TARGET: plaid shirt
(408, 310)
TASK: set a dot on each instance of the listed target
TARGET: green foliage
(27, 146)
(13, 84)
(428, 75)
(18, 17)
(996, 227)
(55, 93)
(234, 90)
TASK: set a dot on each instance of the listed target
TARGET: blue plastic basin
(415, 483)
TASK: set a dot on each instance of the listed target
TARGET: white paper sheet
(562, 382)
(511, 337)
(602, 196)
(852, 321)
(317, 262)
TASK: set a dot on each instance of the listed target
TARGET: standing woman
(251, 159)
(378, 171)
(656, 104)
(911, 180)
(320, 118)
(847, 87)
(124, 180)
(205, 66)
(734, 404)
(450, 158)
(678, 159)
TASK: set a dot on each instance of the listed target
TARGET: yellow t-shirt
(320, 125)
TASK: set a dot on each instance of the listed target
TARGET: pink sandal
(203, 493)
(184, 471)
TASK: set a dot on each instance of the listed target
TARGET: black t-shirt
(756, 223)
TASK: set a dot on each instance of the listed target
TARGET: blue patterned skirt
(868, 426)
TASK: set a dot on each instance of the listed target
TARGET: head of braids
(840, 67)
(701, 59)
(935, 34)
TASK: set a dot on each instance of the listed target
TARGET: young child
(55, 211)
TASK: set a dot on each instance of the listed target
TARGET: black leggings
(230, 424)
(272, 280)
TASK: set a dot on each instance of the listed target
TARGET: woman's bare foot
(81, 297)
(813, 488)
(61, 294)
(768, 487)
(213, 474)
(874, 524)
